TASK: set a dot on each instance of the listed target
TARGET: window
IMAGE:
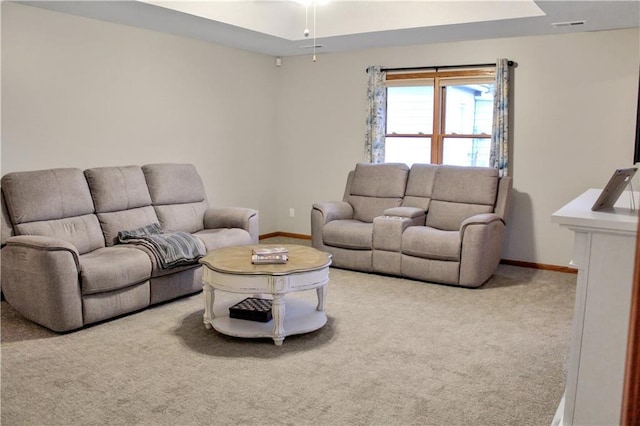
(439, 117)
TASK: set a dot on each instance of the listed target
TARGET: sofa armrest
(388, 229)
(333, 210)
(481, 236)
(39, 242)
(323, 213)
(480, 219)
(233, 217)
(40, 280)
(408, 212)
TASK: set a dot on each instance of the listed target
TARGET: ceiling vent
(568, 24)
(311, 46)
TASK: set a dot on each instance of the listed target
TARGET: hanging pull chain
(306, 20)
(314, 30)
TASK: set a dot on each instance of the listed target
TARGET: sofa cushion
(430, 270)
(223, 237)
(46, 195)
(375, 188)
(380, 180)
(365, 209)
(156, 268)
(117, 188)
(420, 186)
(173, 184)
(81, 231)
(182, 217)
(449, 216)
(473, 185)
(101, 306)
(431, 243)
(351, 234)
(55, 203)
(177, 195)
(121, 198)
(179, 283)
(461, 192)
(113, 268)
(114, 222)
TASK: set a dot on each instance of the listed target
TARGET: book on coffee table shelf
(268, 255)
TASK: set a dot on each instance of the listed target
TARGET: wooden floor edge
(286, 235)
(531, 265)
(542, 266)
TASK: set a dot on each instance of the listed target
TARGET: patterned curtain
(376, 115)
(499, 155)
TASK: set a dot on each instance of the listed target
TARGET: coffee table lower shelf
(301, 317)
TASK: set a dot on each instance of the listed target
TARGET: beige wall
(574, 104)
(83, 93)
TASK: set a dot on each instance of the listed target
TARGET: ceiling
(276, 27)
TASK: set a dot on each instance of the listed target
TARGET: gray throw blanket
(170, 248)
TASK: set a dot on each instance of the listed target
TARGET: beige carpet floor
(394, 352)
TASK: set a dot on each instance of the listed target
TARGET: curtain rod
(441, 67)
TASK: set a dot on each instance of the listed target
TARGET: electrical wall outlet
(292, 212)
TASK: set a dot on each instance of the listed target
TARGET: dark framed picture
(636, 153)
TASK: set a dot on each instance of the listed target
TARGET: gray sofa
(435, 223)
(61, 264)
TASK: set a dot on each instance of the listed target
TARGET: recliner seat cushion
(113, 268)
(351, 234)
(156, 268)
(431, 243)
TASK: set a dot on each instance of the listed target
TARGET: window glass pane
(469, 109)
(466, 152)
(410, 110)
(407, 150)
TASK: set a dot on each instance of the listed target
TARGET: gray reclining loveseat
(62, 266)
(435, 223)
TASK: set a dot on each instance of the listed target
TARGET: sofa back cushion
(177, 195)
(420, 186)
(53, 203)
(121, 199)
(375, 188)
(461, 192)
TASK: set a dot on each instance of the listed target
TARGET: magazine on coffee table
(261, 259)
(266, 255)
(270, 250)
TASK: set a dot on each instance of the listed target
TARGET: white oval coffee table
(230, 269)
